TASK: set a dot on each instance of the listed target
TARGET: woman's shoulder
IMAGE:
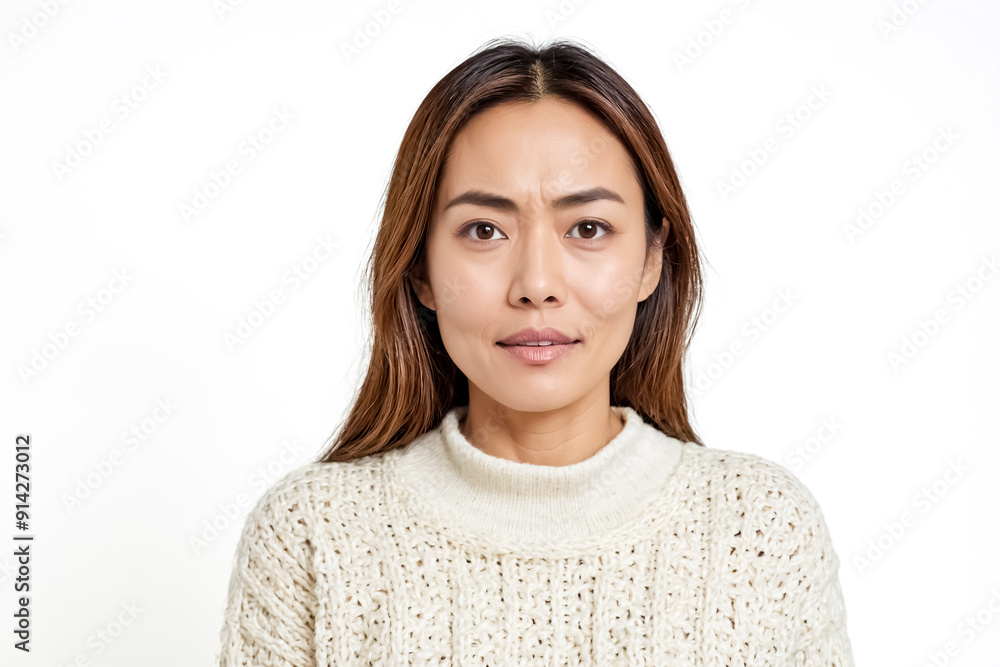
(751, 483)
(313, 490)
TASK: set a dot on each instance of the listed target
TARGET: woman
(518, 481)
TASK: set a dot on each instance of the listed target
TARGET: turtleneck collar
(536, 504)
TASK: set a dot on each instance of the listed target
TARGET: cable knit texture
(652, 551)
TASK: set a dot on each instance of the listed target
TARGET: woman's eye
(592, 227)
(486, 228)
(590, 230)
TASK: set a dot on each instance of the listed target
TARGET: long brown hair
(410, 381)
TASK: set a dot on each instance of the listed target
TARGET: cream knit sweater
(650, 552)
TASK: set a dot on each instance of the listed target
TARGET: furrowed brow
(490, 200)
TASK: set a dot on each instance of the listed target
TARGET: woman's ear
(422, 288)
(654, 265)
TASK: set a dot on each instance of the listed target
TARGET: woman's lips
(532, 335)
(535, 354)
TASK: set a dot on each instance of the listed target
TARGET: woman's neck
(519, 502)
(554, 438)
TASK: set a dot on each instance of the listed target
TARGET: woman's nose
(537, 267)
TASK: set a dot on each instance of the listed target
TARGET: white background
(243, 415)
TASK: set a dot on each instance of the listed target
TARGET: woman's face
(505, 252)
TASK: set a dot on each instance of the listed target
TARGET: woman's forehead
(548, 148)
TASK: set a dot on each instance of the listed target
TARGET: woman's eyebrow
(490, 200)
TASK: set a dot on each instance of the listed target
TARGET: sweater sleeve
(271, 606)
(821, 620)
(817, 619)
(777, 564)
